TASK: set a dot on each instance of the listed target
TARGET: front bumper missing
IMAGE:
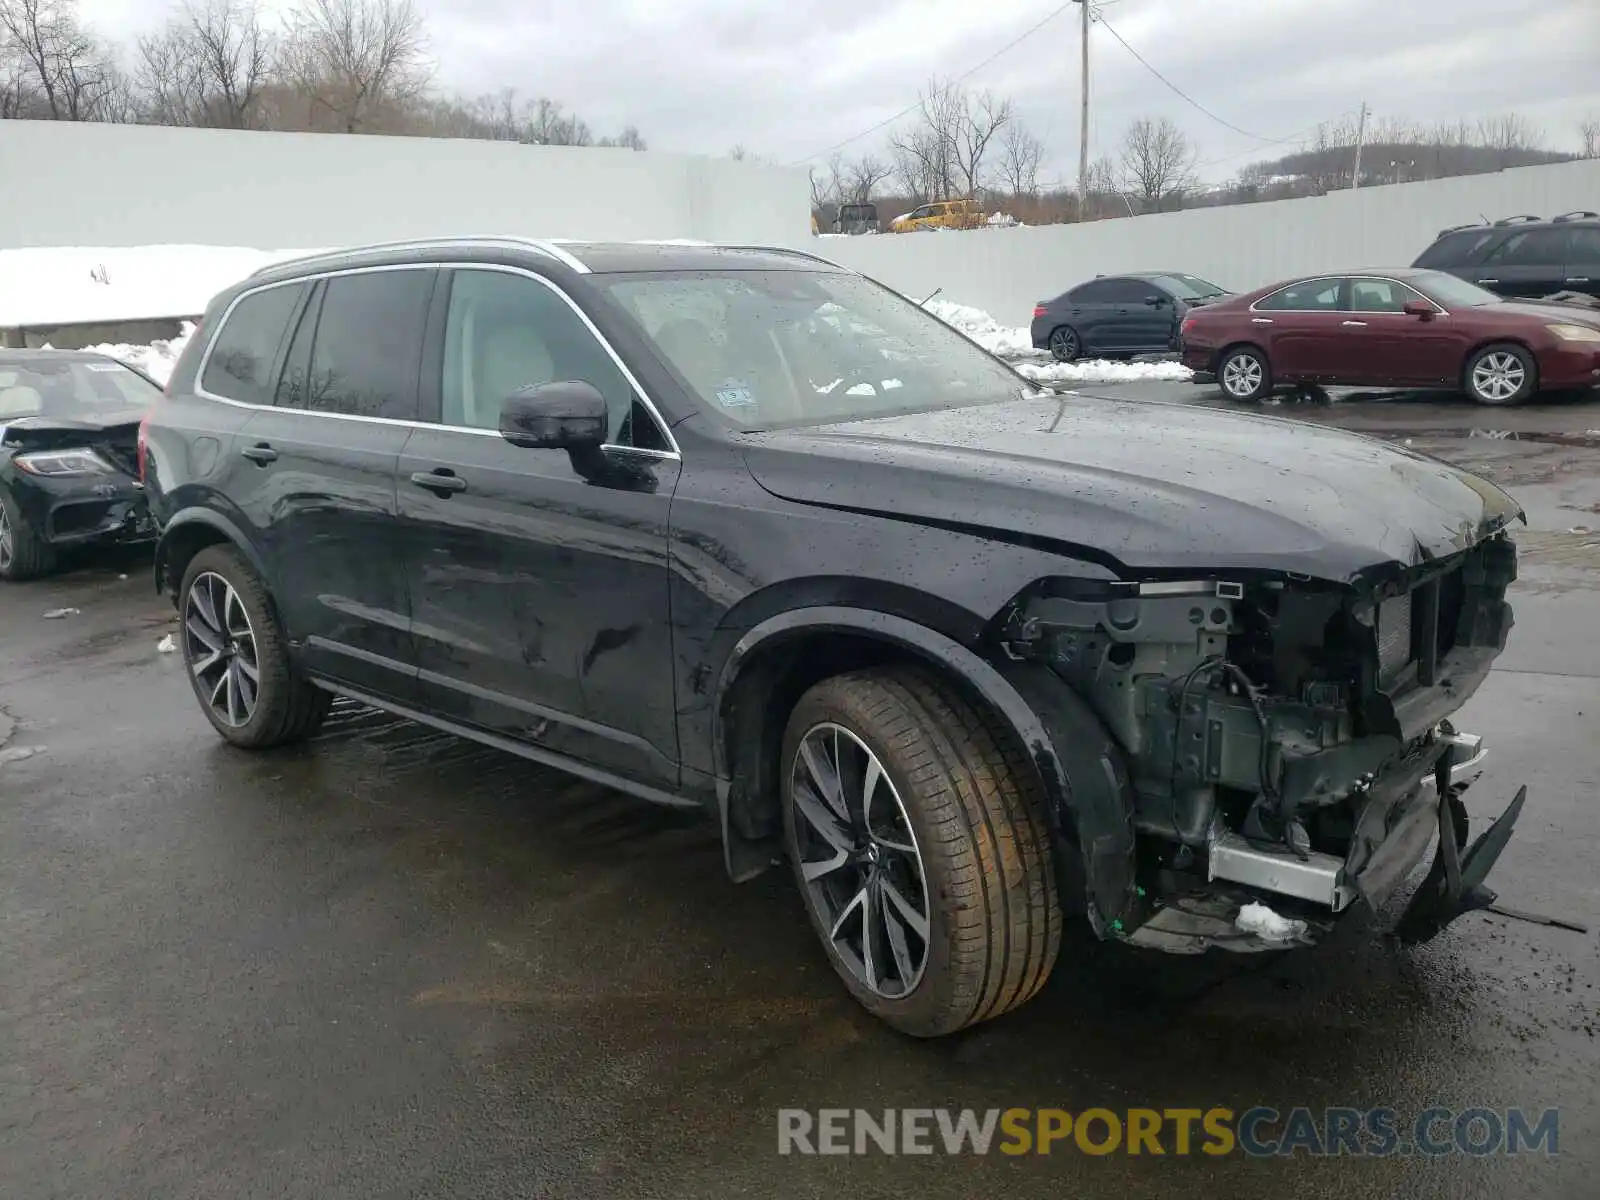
(1321, 886)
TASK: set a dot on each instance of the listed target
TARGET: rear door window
(1314, 295)
(1105, 291)
(241, 361)
(365, 347)
(1533, 248)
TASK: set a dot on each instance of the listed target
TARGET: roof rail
(548, 249)
(789, 250)
(1520, 219)
(1578, 214)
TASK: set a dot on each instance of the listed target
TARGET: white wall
(65, 184)
(1006, 271)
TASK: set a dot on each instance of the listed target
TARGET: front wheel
(238, 657)
(1501, 375)
(23, 553)
(1245, 374)
(920, 844)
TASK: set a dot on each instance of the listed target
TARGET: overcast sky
(789, 78)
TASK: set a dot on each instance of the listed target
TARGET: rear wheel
(237, 655)
(1065, 345)
(920, 844)
(23, 553)
(1244, 373)
(1501, 374)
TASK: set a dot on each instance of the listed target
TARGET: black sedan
(1118, 316)
(69, 428)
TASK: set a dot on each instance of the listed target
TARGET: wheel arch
(772, 665)
(191, 531)
(1484, 343)
(1242, 343)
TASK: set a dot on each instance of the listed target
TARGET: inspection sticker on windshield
(734, 394)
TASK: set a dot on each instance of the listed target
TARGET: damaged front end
(1286, 740)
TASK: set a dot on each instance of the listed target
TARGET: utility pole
(1361, 137)
(1083, 120)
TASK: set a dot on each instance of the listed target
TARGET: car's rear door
(1094, 311)
(1301, 328)
(539, 593)
(321, 474)
(1583, 260)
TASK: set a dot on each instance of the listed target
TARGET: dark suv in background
(1522, 256)
(740, 530)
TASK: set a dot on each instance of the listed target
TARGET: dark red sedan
(1403, 328)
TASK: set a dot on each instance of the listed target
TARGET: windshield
(1452, 292)
(1190, 287)
(70, 388)
(769, 348)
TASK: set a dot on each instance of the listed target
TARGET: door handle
(260, 454)
(1261, 320)
(1483, 281)
(1357, 324)
(441, 481)
(1579, 279)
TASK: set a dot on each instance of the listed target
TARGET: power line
(968, 74)
(1200, 107)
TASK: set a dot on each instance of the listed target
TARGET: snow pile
(61, 285)
(1006, 341)
(1103, 371)
(1267, 925)
(1015, 345)
(155, 360)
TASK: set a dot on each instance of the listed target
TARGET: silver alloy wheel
(1241, 375)
(8, 539)
(1498, 376)
(859, 859)
(220, 647)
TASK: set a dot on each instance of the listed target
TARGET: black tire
(287, 708)
(24, 555)
(1516, 381)
(1065, 344)
(978, 825)
(1244, 374)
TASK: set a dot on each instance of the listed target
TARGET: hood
(53, 430)
(1552, 312)
(1154, 488)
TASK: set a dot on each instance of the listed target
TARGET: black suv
(738, 529)
(1522, 256)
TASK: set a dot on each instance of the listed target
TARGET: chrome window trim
(1438, 309)
(1441, 310)
(311, 277)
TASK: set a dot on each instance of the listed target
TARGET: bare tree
(56, 60)
(1158, 161)
(926, 154)
(209, 66)
(1589, 131)
(628, 139)
(355, 58)
(862, 177)
(1020, 155)
(1508, 133)
(981, 118)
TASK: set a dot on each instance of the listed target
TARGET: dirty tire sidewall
(1530, 375)
(978, 817)
(31, 555)
(287, 707)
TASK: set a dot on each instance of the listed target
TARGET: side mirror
(568, 415)
(1154, 301)
(1418, 308)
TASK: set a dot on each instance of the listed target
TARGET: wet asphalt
(391, 963)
